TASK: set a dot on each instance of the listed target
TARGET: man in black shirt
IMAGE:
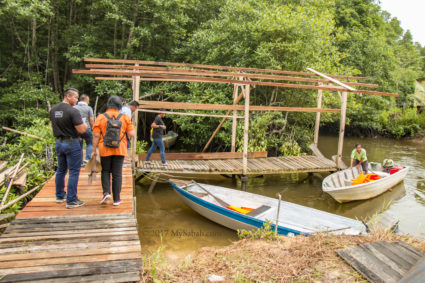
(67, 126)
(158, 127)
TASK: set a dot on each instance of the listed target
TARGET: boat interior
(343, 178)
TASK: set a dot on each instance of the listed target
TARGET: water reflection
(165, 221)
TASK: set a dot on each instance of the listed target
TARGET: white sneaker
(105, 197)
(117, 203)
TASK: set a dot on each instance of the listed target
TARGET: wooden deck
(49, 243)
(256, 166)
(384, 262)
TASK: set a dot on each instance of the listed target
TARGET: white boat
(339, 184)
(212, 202)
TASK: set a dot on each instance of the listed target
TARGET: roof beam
(145, 76)
(331, 79)
(161, 70)
(149, 104)
(156, 63)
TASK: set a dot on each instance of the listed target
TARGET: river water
(166, 222)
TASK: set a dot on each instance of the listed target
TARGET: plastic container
(375, 166)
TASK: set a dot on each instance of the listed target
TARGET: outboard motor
(387, 165)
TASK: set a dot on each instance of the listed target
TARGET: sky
(411, 15)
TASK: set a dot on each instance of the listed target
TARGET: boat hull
(367, 190)
(226, 217)
(293, 219)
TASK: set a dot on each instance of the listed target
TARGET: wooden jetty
(385, 262)
(209, 164)
(49, 243)
(243, 80)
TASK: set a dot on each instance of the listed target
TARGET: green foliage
(401, 124)
(266, 232)
(44, 40)
(141, 147)
(22, 103)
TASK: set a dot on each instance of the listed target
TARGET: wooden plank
(114, 277)
(69, 260)
(245, 130)
(156, 63)
(204, 106)
(96, 239)
(187, 113)
(317, 123)
(197, 72)
(65, 254)
(180, 78)
(61, 271)
(380, 261)
(204, 155)
(366, 266)
(113, 78)
(67, 246)
(341, 129)
(60, 237)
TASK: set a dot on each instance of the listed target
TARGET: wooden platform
(382, 261)
(256, 166)
(49, 243)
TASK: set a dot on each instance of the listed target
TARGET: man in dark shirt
(158, 127)
(67, 126)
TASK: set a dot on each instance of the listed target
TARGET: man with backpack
(109, 132)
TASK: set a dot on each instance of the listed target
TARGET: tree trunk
(46, 71)
(115, 37)
(34, 43)
(55, 65)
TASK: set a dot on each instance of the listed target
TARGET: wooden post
(234, 122)
(136, 92)
(339, 162)
(317, 125)
(244, 180)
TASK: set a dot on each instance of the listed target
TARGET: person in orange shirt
(112, 158)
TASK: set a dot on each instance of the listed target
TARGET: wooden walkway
(49, 243)
(256, 166)
(383, 261)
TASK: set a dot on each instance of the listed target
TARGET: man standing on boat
(158, 128)
(359, 158)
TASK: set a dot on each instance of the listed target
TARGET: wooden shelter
(243, 79)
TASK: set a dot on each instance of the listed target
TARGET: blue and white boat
(213, 202)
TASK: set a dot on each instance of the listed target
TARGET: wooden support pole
(317, 125)
(339, 162)
(246, 89)
(234, 121)
(136, 93)
(22, 133)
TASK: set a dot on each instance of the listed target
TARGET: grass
(284, 259)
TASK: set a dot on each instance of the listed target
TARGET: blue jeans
(88, 138)
(69, 156)
(157, 143)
